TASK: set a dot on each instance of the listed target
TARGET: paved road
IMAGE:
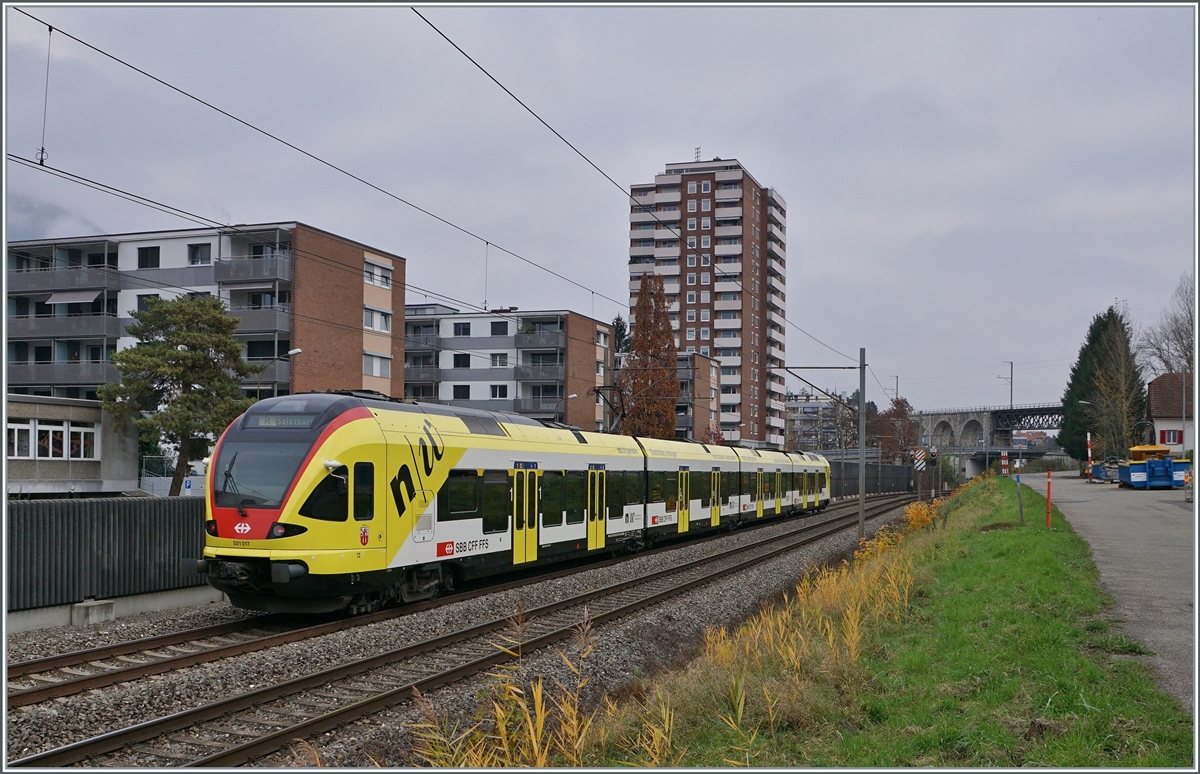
(1144, 544)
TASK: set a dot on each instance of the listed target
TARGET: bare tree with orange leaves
(649, 379)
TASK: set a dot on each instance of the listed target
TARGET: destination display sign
(289, 421)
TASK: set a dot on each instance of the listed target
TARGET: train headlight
(210, 527)
(281, 530)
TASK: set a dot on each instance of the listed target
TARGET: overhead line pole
(862, 440)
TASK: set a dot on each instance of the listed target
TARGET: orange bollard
(1047, 499)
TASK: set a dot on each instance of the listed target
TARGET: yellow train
(329, 501)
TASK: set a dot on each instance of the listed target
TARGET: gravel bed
(637, 645)
(52, 641)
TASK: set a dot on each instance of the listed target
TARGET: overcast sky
(965, 186)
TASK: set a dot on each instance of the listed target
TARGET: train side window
(822, 479)
(615, 497)
(497, 500)
(748, 487)
(552, 499)
(459, 498)
(702, 488)
(635, 487)
(671, 491)
(364, 491)
(657, 490)
(330, 499)
(575, 495)
(729, 487)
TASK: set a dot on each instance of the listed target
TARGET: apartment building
(291, 286)
(811, 422)
(541, 364)
(718, 238)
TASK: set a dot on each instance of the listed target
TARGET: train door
(778, 491)
(685, 500)
(715, 496)
(758, 494)
(596, 499)
(525, 513)
(411, 494)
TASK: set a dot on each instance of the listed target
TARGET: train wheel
(365, 603)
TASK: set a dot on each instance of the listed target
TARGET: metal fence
(880, 478)
(65, 551)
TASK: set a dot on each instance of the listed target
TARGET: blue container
(1153, 473)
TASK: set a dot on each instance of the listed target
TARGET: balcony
(277, 318)
(728, 231)
(477, 343)
(776, 216)
(668, 198)
(419, 341)
(662, 234)
(421, 373)
(728, 268)
(727, 285)
(777, 232)
(644, 217)
(62, 373)
(683, 422)
(541, 340)
(248, 269)
(728, 175)
(75, 327)
(776, 265)
(729, 400)
(777, 319)
(730, 361)
(75, 278)
(666, 252)
(728, 417)
(728, 210)
(641, 233)
(726, 324)
(538, 405)
(731, 379)
(667, 271)
(639, 251)
(776, 352)
(476, 374)
(728, 194)
(776, 282)
(773, 196)
(486, 405)
(727, 306)
(723, 250)
(277, 370)
(667, 180)
(774, 249)
(775, 405)
(667, 216)
(539, 373)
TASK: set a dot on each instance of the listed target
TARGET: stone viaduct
(977, 435)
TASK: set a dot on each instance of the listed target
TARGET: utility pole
(1010, 383)
(862, 440)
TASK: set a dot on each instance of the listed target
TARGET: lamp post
(563, 404)
(258, 389)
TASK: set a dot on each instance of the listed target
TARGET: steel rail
(156, 663)
(151, 729)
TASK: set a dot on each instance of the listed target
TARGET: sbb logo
(445, 549)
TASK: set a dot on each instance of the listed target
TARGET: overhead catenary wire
(41, 154)
(594, 165)
(324, 162)
(206, 222)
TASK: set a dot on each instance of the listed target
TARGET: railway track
(247, 726)
(38, 680)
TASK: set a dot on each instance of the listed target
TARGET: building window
(377, 365)
(374, 320)
(19, 446)
(691, 296)
(691, 334)
(706, 241)
(198, 255)
(706, 186)
(691, 243)
(499, 360)
(462, 360)
(692, 187)
(704, 351)
(379, 276)
(705, 223)
(704, 313)
(704, 334)
(704, 296)
(690, 349)
(499, 391)
(543, 391)
(143, 300)
(500, 328)
(705, 278)
(462, 329)
(602, 338)
(691, 224)
(599, 368)
(705, 260)
(705, 205)
(691, 315)
(462, 392)
(691, 259)
(147, 257)
(729, 370)
(691, 278)
(691, 205)
(1169, 437)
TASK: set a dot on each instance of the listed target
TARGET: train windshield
(256, 474)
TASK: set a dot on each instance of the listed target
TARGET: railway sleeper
(156, 752)
(263, 721)
(198, 742)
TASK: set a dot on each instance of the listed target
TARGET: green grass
(1005, 659)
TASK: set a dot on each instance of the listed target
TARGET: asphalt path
(1144, 543)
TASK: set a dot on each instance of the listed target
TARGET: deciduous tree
(896, 429)
(649, 379)
(181, 380)
(1167, 346)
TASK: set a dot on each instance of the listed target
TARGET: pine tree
(650, 380)
(181, 381)
(620, 334)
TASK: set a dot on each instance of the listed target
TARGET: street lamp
(561, 403)
(258, 389)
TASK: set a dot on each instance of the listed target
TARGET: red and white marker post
(1089, 439)
(1004, 464)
